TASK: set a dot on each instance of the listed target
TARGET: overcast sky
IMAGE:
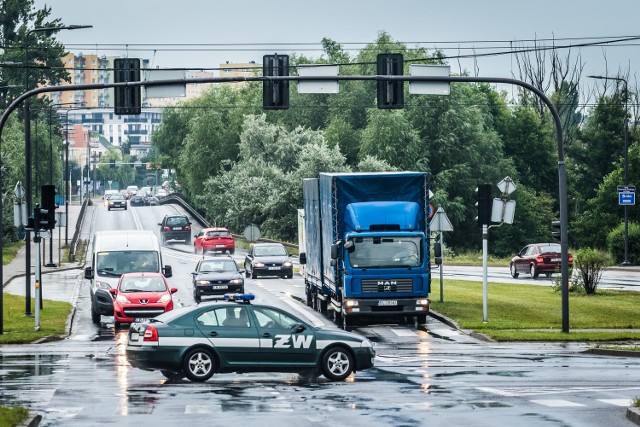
(205, 33)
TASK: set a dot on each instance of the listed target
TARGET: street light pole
(626, 261)
(27, 152)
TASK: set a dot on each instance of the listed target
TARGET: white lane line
(557, 403)
(617, 402)
(404, 332)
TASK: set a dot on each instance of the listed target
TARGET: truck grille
(387, 285)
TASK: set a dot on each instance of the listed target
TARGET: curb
(608, 352)
(452, 324)
(633, 414)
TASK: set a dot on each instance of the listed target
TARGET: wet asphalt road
(433, 376)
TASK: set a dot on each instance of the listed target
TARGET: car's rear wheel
(253, 275)
(337, 364)
(533, 271)
(198, 364)
(231, 251)
(512, 268)
(246, 271)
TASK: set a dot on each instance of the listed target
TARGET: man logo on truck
(299, 341)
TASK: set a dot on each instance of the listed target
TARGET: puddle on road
(16, 367)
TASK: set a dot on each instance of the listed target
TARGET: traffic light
(555, 230)
(48, 202)
(275, 94)
(127, 98)
(484, 204)
(39, 220)
(390, 93)
(437, 253)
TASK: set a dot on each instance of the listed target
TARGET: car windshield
(218, 266)
(142, 284)
(116, 263)
(377, 252)
(548, 249)
(270, 251)
(116, 197)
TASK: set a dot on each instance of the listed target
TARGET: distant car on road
(117, 201)
(137, 201)
(268, 259)
(216, 277)
(538, 258)
(214, 240)
(198, 341)
(140, 296)
(175, 228)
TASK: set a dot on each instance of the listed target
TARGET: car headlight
(366, 343)
(122, 299)
(103, 285)
(287, 264)
(236, 281)
(259, 264)
(165, 298)
(202, 283)
(423, 301)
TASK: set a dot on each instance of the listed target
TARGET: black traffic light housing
(437, 253)
(275, 94)
(484, 204)
(390, 93)
(48, 203)
(127, 98)
(555, 230)
(39, 220)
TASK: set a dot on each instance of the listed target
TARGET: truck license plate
(386, 302)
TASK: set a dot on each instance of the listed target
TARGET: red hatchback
(140, 296)
(538, 258)
(214, 240)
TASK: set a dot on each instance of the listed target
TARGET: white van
(115, 253)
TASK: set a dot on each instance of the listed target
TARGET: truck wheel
(337, 364)
(309, 298)
(346, 324)
(421, 319)
(198, 364)
(337, 317)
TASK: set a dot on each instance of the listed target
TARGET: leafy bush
(615, 243)
(588, 265)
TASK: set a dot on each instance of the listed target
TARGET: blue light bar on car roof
(239, 297)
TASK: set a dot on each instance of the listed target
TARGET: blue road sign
(627, 198)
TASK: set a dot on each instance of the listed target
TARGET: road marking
(557, 403)
(617, 402)
(404, 332)
(203, 409)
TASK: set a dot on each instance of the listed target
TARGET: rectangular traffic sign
(627, 198)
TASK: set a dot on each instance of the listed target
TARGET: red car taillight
(539, 259)
(165, 229)
(570, 258)
(151, 334)
(187, 228)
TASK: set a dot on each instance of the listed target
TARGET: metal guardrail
(76, 235)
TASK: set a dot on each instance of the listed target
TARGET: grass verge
(517, 312)
(9, 251)
(12, 416)
(20, 329)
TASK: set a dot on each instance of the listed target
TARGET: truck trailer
(366, 245)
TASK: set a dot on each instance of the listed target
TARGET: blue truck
(366, 245)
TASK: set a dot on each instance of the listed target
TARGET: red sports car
(214, 240)
(139, 296)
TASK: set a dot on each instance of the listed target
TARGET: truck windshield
(116, 263)
(388, 251)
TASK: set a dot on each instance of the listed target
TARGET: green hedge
(615, 243)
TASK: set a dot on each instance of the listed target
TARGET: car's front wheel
(533, 271)
(512, 269)
(337, 364)
(198, 364)
(95, 316)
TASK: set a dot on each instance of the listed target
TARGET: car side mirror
(88, 273)
(167, 271)
(113, 291)
(173, 290)
(303, 258)
(298, 327)
(242, 271)
(160, 224)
